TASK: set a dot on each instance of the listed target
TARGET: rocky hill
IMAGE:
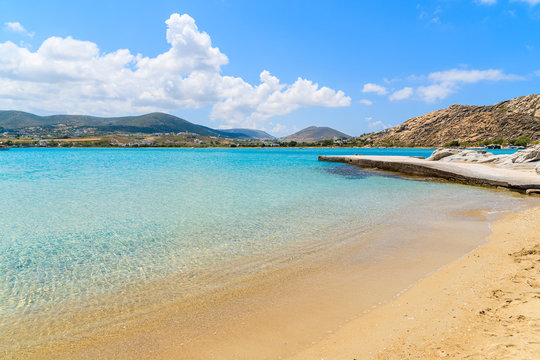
(314, 133)
(465, 123)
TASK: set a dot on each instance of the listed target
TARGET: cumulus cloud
(432, 93)
(365, 102)
(374, 88)
(70, 75)
(17, 28)
(447, 82)
(376, 125)
(249, 105)
(402, 94)
(439, 85)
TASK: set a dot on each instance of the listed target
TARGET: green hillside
(147, 123)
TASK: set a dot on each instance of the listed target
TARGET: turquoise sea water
(78, 223)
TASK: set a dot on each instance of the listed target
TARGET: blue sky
(357, 66)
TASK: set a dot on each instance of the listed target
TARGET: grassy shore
(485, 305)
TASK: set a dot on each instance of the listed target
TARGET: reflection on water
(356, 172)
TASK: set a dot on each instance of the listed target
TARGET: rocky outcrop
(450, 155)
(524, 156)
(442, 153)
(527, 158)
(461, 172)
(465, 123)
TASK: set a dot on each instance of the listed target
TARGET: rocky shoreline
(468, 124)
(517, 172)
(524, 159)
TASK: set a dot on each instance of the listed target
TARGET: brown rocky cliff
(508, 120)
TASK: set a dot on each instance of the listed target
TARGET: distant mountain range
(157, 122)
(507, 120)
(147, 123)
(314, 133)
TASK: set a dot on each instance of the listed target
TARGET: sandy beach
(485, 305)
(270, 180)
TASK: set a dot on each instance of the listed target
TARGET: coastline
(485, 305)
(281, 303)
(458, 172)
(269, 316)
(282, 315)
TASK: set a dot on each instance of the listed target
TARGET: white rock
(526, 155)
(442, 153)
(471, 156)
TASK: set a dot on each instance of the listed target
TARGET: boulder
(527, 155)
(442, 153)
(471, 156)
(521, 159)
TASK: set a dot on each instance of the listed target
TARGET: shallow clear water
(76, 223)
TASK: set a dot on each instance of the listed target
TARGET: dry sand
(485, 305)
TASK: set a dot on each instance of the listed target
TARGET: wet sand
(485, 305)
(270, 314)
(342, 306)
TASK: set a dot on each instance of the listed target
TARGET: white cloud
(70, 75)
(376, 125)
(250, 105)
(471, 76)
(14, 26)
(432, 93)
(374, 88)
(486, 2)
(530, 2)
(366, 102)
(17, 28)
(447, 82)
(439, 85)
(278, 129)
(402, 94)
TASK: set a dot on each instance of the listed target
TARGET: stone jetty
(472, 173)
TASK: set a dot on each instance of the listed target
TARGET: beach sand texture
(485, 305)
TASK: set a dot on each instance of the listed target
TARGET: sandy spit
(485, 305)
